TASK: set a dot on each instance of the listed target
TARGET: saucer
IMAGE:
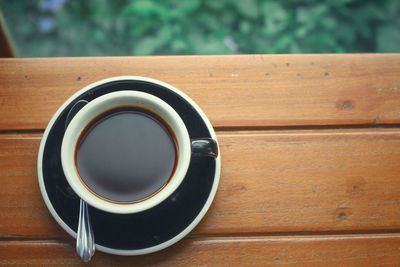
(150, 230)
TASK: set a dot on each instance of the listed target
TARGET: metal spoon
(85, 245)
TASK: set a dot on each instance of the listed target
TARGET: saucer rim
(134, 251)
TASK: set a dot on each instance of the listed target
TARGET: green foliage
(159, 27)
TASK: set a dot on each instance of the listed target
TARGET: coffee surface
(126, 155)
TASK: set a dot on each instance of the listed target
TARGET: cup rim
(95, 108)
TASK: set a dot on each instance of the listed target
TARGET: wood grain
(271, 182)
(351, 250)
(234, 91)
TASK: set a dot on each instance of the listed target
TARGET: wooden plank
(234, 91)
(352, 250)
(277, 181)
(21, 204)
(342, 180)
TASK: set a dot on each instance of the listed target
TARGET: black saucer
(141, 232)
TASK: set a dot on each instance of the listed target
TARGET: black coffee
(126, 155)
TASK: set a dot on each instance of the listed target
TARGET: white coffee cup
(135, 99)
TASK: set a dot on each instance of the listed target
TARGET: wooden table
(310, 149)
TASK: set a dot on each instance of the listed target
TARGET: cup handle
(206, 147)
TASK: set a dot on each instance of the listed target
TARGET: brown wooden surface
(352, 250)
(239, 91)
(310, 144)
(330, 180)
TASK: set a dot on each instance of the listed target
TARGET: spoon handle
(85, 245)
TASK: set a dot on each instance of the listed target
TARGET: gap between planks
(254, 129)
(240, 237)
(236, 236)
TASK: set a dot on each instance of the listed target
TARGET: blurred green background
(169, 27)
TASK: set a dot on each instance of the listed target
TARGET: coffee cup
(127, 151)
